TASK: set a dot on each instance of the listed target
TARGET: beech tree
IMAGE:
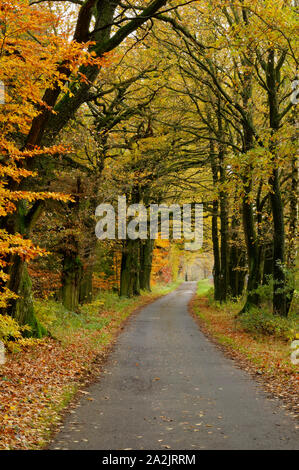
(100, 27)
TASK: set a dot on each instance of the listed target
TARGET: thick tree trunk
(252, 244)
(224, 248)
(22, 308)
(224, 273)
(268, 264)
(241, 274)
(146, 257)
(251, 239)
(248, 216)
(46, 127)
(85, 290)
(292, 232)
(237, 263)
(237, 273)
(215, 239)
(71, 279)
(279, 276)
(130, 269)
(88, 259)
(254, 269)
(215, 232)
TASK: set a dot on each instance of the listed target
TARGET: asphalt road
(166, 386)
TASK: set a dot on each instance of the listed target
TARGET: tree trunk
(241, 274)
(85, 290)
(146, 257)
(279, 275)
(130, 269)
(215, 239)
(88, 260)
(215, 233)
(22, 308)
(237, 262)
(251, 240)
(292, 232)
(46, 126)
(71, 280)
(224, 248)
(254, 269)
(248, 216)
(268, 264)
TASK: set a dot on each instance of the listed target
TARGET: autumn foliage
(163, 103)
(30, 56)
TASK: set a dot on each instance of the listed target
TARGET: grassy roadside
(39, 382)
(266, 357)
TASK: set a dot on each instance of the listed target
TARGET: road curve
(166, 386)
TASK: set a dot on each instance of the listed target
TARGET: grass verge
(267, 358)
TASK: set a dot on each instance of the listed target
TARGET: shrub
(46, 311)
(11, 334)
(264, 323)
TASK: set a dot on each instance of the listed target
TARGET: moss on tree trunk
(130, 269)
(71, 279)
(23, 307)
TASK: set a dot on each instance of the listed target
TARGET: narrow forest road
(166, 386)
